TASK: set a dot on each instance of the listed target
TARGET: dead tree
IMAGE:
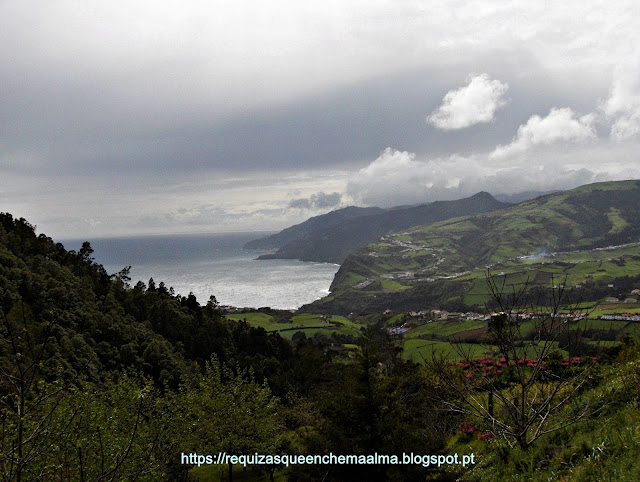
(525, 389)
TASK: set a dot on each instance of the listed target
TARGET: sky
(150, 117)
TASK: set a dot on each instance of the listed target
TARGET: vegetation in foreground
(102, 380)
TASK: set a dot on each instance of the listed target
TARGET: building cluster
(443, 315)
(628, 299)
(619, 317)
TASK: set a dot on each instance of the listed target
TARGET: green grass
(618, 222)
(443, 328)
(395, 319)
(251, 317)
(602, 446)
(419, 350)
(599, 325)
(610, 309)
(392, 286)
(306, 322)
(310, 332)
(353, 279)
(604, 343)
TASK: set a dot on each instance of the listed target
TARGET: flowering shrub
(492, 368)
(466, 428)
(486, 436)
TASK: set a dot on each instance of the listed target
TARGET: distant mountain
(331, 237)
(576, 233)
(311, 226)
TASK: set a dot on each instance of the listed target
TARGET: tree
(53, 425)
(527, 389)
(377, 404)
(228, 412)
(29, 406)
(86, 251)
(120, 432)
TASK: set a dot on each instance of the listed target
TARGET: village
(438, 315)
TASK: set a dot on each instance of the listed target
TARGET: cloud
(400, 177)
(397, 177)
(393, 176)
(164, 104)
(560, 125)
(476, 103)
(623, 105)
(318, 200)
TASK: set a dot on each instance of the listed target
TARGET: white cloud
(399, 177)
(317, 201)
(394, 176)
(560, 125)
(623, 105)
(475, 103)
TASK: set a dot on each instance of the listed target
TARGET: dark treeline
(102, 380)
(101, 323)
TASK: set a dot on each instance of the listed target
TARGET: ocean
(214, 264)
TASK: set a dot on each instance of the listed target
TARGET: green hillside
(331, 237)
(587, 235)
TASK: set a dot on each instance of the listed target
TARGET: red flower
(485, 436)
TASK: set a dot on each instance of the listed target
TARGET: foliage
(381, 408)
(220, 411)
(519, 398)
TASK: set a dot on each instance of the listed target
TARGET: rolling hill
(586, 234)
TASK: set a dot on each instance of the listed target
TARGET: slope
(448, 256)
(332, 242)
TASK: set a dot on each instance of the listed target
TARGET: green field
(444, 337)
(443, 328)
(573, 238)
(421, 350)
(307, 323)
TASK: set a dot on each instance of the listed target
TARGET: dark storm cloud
(65, 126)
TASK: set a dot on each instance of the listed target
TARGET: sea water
(214, 264)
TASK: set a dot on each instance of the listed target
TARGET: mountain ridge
(331, 237)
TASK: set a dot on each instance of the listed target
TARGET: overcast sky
(185, 116)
